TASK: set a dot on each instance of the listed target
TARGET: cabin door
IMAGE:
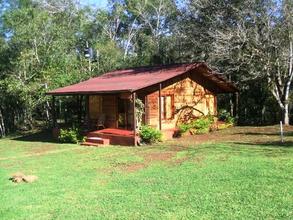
(124, 113)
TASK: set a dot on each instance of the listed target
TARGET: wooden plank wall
(187, 96)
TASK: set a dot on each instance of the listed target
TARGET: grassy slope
(225, 180)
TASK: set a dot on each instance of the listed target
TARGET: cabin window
(167, 111)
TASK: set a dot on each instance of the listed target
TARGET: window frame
(164, 107)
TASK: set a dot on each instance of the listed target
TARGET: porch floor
(113, 136)
(115, 131)
(117, 136)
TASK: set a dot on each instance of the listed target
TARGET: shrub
(202, 125)
(183, 128)
(225, 116)
(150, 135)
(230, 120)
(71, 135)
(198, 126)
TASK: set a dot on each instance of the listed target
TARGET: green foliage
(183, 128)
(199, 126)
(139, 106)
(225, 116)
(150, 135)
(71, 135)
(202, 125)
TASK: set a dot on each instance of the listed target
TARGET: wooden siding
(190, 100)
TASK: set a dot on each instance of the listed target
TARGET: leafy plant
(198, 126)
(183, 128)
(139, 108)
(230, 120)
(150, 135)
(225, 116)
(71, 135)
(202, 125)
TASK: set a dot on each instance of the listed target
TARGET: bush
(183, 128)
(202, 125)
(230, 120)
(225, 116)
(199, 126)
(71, 135)
(150, 135)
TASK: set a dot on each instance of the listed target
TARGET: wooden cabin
(172, 94)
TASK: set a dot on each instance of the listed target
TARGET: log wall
(190, 100)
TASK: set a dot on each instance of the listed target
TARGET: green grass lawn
(247, 175)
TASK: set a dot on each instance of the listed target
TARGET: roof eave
(87, 92)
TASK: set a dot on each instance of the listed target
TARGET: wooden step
(98, 140)
(114, 139)
(89, 144)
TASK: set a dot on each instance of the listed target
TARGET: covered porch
(104, 118)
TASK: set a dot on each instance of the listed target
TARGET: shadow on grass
(264, 134)
(277, 144)
(242, 148)
(41, 136)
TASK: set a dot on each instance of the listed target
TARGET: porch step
(98, 140)
(89, 144)
(111, 136)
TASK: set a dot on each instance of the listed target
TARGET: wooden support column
(54, 121)
(134, 118)
(145, 109)
(126, 114)
(160, 107)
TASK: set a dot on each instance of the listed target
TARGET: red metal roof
(131, 80)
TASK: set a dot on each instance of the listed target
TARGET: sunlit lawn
(246, 177)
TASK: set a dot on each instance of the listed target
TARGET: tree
(247, 40)
(41, 53)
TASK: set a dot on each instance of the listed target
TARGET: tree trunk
(231, 105)
(263, 112)
(47, 107)
(2, 126)
(286, 114)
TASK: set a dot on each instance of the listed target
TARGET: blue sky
(95, 3)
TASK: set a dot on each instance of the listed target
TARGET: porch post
(160, 107)
(134, 117)
(54, 122)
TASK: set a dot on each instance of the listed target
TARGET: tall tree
(247, 40)
(41, 54)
